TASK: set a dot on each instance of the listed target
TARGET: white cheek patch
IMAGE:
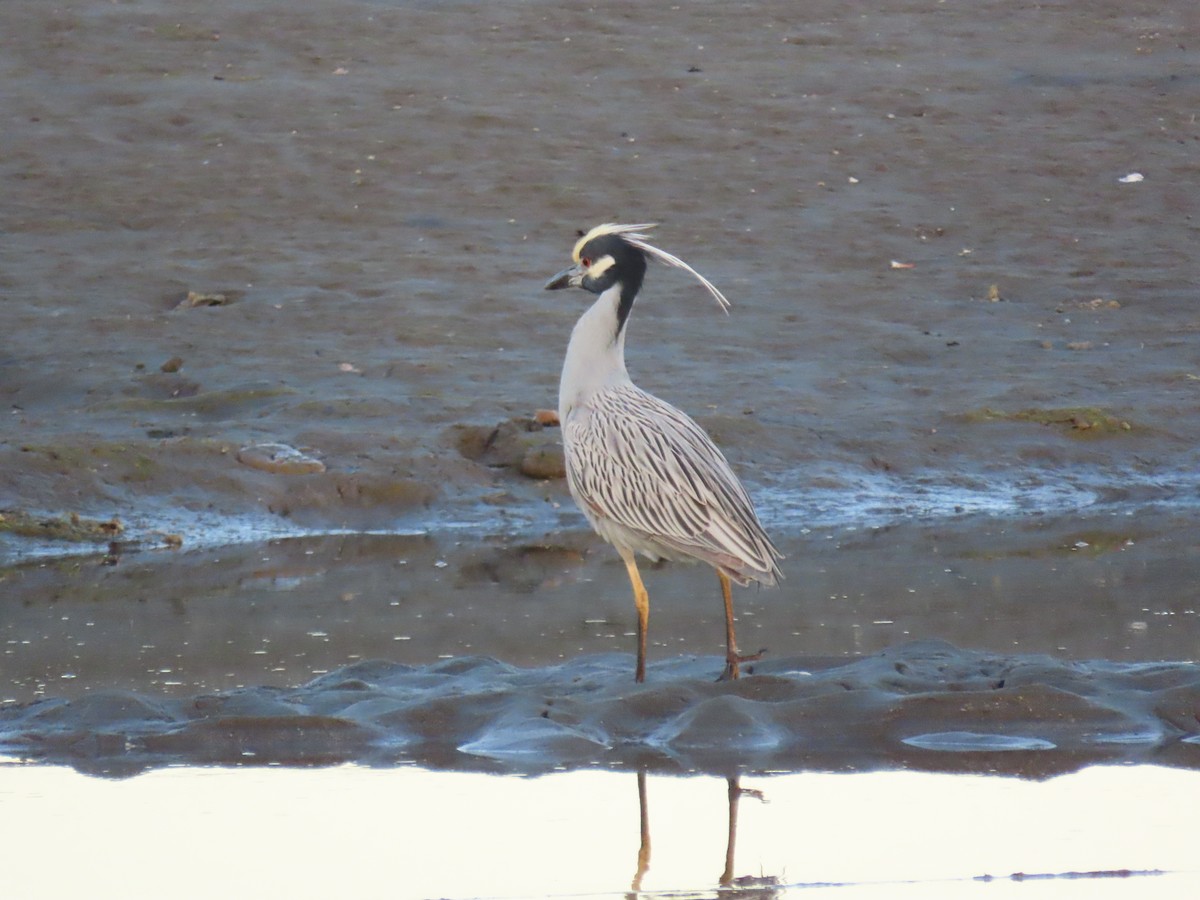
(600, 266)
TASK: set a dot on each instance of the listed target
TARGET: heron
(645, 475)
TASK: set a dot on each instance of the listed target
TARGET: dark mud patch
(924, 705)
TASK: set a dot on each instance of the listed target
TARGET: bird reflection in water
(752, 887)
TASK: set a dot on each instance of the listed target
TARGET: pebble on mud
(174, 364)
(1098, 303)
(214, 298)
(280, 459)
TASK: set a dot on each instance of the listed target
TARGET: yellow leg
(731, 651)
(732, 658)
(642, 601)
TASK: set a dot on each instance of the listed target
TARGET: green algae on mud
(1089, 543)
(127, 462)
(183, 485)
(1078, 421)
(206, 403)
(67, 527)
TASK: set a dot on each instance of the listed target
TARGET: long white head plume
(632, 235)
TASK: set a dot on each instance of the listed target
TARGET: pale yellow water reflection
(408, 832)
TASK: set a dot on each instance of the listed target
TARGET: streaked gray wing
(647, 466)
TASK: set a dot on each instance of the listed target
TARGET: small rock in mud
(544, 462)
(174, 364)
(365, 491)
(279, 458)
(1098, 303)
(520, 444)
(205, 298)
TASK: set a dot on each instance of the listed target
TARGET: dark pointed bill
(563, 279)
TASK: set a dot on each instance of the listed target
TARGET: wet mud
(938, 272)
(919, 705)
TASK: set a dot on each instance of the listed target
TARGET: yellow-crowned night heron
(646, 476)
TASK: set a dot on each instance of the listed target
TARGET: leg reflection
(643, 862)
(734, 792)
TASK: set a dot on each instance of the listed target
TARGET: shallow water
(408, 832)
(1116, 587)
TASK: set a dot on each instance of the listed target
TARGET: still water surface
(411, 832)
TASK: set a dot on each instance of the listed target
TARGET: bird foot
(733, 661)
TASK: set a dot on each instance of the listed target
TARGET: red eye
(586, 262)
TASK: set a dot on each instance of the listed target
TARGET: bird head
(603, 257)
(617, 253)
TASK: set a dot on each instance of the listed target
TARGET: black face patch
(628, 265)
(628, 268)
